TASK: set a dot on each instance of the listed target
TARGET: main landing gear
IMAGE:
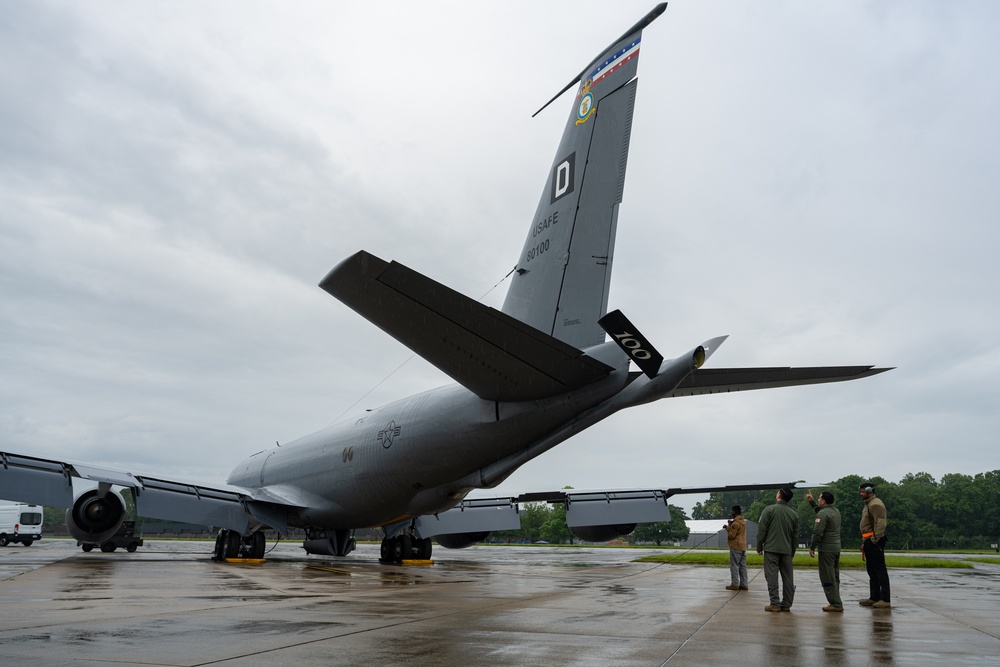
(230, 544)
(404, 547)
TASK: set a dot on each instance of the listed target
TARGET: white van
(20, 523)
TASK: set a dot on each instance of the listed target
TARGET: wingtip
(713, 344)
(362, 257)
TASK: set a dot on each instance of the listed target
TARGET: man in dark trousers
(777, 537)
(873, 524)
(826, 538)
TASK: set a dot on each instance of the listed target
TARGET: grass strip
(802, 560)
(991, 561)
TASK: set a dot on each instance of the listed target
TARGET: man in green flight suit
(826, 538)
(777, 537)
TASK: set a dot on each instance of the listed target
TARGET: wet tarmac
(169, 604)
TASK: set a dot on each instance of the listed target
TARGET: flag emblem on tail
(587, 107)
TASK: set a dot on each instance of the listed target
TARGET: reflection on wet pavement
(171, 605)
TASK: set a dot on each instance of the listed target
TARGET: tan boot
(732, 588)
(867, 603)
(830, 607)
(771, 607)
(882, 604)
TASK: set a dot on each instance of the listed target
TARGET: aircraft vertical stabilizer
(562, 277)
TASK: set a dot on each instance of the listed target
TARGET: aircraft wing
(724, 380)
(493, 355)
(54, 483)
(586, 511)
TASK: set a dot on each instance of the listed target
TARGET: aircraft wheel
(87, 547)
(219, 554)
(232, 546)
(132, 546)
(423, 549)
(217, 551)
(259, 544)
(385, 553)
(403, 549)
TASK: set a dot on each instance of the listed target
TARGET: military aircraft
(550, 363)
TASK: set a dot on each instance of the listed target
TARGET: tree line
(957, 512)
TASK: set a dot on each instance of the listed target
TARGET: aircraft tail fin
(560, 285)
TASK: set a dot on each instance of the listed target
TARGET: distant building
(712, 533)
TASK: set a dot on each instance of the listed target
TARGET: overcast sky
(820, 181)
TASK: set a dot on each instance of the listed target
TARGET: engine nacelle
(95, 517)
(602, 533)
(460, 540)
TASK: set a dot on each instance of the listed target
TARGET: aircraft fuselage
(411, 457)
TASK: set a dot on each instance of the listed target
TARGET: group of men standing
(777, 538)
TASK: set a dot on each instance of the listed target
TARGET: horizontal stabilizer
(491, 354)
(723, 380)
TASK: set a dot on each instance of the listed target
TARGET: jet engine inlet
(95, 517)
